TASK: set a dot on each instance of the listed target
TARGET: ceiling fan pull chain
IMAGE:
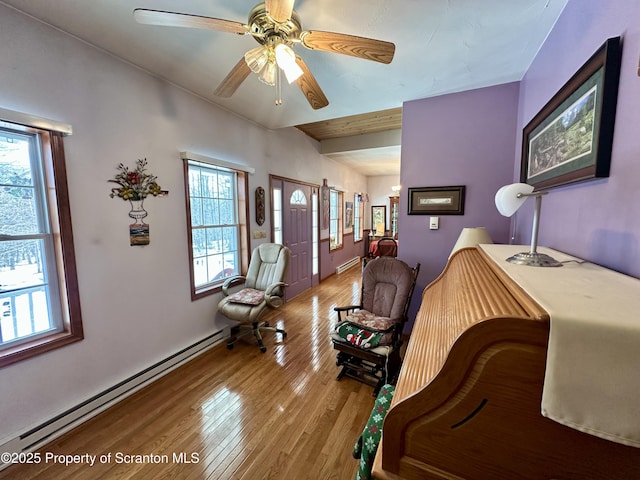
(278, 87)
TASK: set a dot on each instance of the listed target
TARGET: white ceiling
(442, 46)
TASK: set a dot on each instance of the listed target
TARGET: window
(39, 303)
(315, 234)
(335, 219)
(217, 225)
(298, 198)
(277, 215)
(357, 218)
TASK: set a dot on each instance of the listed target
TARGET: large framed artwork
(437, 200)
(570, 139)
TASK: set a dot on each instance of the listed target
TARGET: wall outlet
(259, 234)
(434, 223)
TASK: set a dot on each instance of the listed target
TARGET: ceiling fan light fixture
(275, 23)
(268, 73)
(286, 60)
(257, 58)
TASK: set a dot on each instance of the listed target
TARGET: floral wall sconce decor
(134, 186)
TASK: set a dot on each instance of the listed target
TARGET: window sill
(202, 292)
(30, 349)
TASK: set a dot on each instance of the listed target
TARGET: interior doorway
(295, 224)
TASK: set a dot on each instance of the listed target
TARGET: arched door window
(298, 198)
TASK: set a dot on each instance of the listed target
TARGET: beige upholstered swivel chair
(368, 336)
(263, 290)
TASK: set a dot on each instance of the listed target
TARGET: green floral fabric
(367, 445)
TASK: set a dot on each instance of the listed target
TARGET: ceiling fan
(276, 26)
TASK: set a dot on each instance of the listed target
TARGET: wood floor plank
(241, 414)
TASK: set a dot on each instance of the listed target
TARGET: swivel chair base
(255, 328)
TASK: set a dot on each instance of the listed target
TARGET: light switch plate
(434, 223)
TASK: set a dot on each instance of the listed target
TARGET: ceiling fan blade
(310, 88)
(361, 47)
(233, 80)
(279, 10)
(171, 19)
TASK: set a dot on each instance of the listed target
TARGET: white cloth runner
(592, 378)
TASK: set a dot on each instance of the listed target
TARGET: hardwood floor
(234, 414)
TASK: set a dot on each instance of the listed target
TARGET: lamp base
(533, 259)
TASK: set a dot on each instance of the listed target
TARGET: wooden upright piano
(468, 399)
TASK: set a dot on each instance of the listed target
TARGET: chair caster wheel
(229, 346)
(263, 349)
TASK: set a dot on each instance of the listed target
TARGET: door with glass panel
(295, 225)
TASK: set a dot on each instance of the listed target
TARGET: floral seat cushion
(247, 296)
(370, 321)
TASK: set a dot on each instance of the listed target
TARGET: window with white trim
(357, 218)
(217, 225)
(335, 219)
(39, 303)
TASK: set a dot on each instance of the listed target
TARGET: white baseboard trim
(62, 423)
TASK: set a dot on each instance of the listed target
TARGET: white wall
(135, 301)
(379, 190)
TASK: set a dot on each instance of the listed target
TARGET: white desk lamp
(508, 200)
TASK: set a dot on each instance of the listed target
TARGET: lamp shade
(511, 197)
(470, 237)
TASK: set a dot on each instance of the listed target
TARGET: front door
(296, 234)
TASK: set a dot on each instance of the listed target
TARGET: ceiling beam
(387, 138)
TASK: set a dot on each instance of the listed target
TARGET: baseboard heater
(55, 427)
(348, 264)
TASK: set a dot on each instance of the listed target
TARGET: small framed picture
(139, 234)
(348, 215)
(436, 200)
(379, 219)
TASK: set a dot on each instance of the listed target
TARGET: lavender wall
(595, 220)
(464, 138)
(330, 260)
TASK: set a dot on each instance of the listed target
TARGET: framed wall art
(379, 219)
(348, 215)
(326, 203)
(570, 139)
(437, 200)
